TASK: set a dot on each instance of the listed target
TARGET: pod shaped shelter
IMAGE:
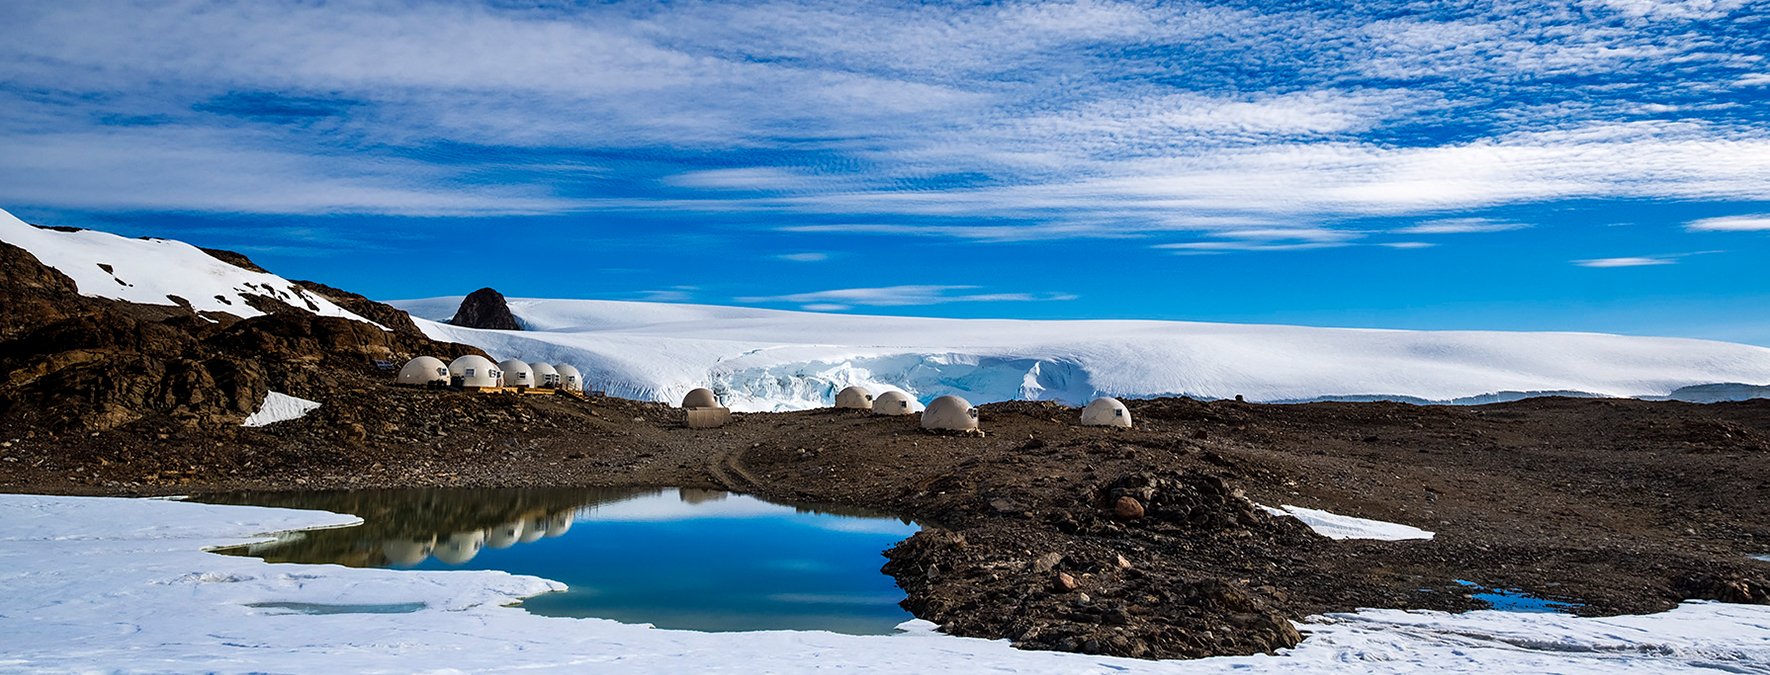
(893, 403)
(545, 375)
(857, 398)
(473, 370)
(949, 413)
(700, 397)
(517, 374)
(424, 370)
(460, 547)
(569, 378)
(1106, 411)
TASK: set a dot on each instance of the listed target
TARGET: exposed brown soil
(1136, 541)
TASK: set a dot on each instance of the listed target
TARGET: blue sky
(1598, 166)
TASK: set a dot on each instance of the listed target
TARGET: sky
(1585, 166)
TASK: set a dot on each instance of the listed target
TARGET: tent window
(470, 372)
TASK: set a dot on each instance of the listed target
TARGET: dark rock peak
(485, 308)
(56, 228)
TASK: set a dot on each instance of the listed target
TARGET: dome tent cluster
(478, 373)
(943, 414)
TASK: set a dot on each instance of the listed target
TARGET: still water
(674, 558)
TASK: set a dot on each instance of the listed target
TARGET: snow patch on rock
(158, 272)
(279, 407)
(1336, 526)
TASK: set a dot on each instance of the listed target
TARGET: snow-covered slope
(152, 271)
(761, 359)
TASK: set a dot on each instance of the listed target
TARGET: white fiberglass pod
(560, 523)
(473, 370)
(949, 413)
(517, 373)
(545, 375)
(460, 547)
(502, 536)
(857, 398)
(569, 378)
(424, 370)
(1106, 411)
(700, 398)
(408, 552)
(894, 403)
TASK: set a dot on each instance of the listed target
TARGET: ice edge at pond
(90, 581)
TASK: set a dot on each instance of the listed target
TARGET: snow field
(105, 584)
(770, 360)
(279, 407)
(1336, 526)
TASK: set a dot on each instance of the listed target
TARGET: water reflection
(675, 558)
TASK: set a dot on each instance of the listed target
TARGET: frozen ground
(101, 584)
(759, 359)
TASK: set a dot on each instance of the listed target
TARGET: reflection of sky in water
(736, 563)
(694, 559)
(1514, 600)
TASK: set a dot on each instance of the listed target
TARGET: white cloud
(804, 257)
(1461, 226)
(671, 294)
(1625, 262)
(1408, 244)
(1752, 223)
(900, 296)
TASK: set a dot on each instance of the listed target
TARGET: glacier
(776, 360)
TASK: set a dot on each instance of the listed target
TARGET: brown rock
(1064, 583)
(1127, 508)
(485, 308)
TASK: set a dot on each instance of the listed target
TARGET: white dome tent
(704, 411)
(569, 378)
(545, 376)
(894, 403)
(502, 536)
(517, 374)
(407, 552)
(949, 413)
(855, 398)
(700, 397)
(1106, 412)
(460, 547)
(422, 371)
(473, 370)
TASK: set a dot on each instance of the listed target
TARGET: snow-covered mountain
(760, 359)
(157, 271)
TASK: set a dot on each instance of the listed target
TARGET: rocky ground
(1139, 542)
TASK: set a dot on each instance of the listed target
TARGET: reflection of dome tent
(855, 397)
(423, 370)
(559, 523)
(502, 536)
(545, 375)
(533, 528)
(460, 547)
(517, 373)
(893, 403)
(1106, 412)
(700, 398)
(949, 413)
(473, 370)
(407, 552)
(569, 378)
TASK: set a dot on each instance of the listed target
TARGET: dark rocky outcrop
(236, 259)
(485, 308)
(78, 363)
(394, 319)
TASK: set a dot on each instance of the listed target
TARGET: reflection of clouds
(865, 525)
(797, 565)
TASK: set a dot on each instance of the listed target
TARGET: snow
(1336, 526)
(119, 585)
(278, 407)
(151, 271)
(759, 359)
